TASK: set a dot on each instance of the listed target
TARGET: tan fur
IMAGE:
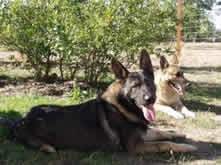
(148, 141)
(174, 60)
(168, 99)
(154, 134)
(110, 95)
(165, 94)
(151, 142)
(132, 136)
(163, 146)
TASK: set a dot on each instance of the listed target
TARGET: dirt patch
(12, 86)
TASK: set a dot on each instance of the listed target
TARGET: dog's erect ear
(119, 70)
(174, 60)
(163, 63)
(145, 63)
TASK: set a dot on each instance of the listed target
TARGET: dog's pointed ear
(119, 70)
(145, 63)
(174, 60)
(163, 63)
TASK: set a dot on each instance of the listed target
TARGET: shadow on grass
(207, 68)
(195, 105)
(205, 90)
(206, 151)
(199, 94)
(54, 87)
(10, 150)
(11, 114)
(6, 80)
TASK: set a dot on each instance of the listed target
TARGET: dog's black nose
(149, 99)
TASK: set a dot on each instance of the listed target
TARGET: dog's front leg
(187, 112)
(111, 133)
(162, 146)
(168, 110)
(154, 135)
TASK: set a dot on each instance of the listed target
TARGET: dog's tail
(7, 123)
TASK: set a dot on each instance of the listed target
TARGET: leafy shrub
(79, 95)
(78, 38)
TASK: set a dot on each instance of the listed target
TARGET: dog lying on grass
(171, 83)
(116, 121)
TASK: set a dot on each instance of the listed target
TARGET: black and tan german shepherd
(116, 121)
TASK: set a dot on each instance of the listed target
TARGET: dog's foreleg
(163, 146)
(111, 133)
(154, 135)
(187, 112)
(168, 110)
(47, 148)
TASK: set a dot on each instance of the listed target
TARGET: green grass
(204, 93)
(22, 103)
(218, 160)
(204, 120)
(196, 100)
(12, 153)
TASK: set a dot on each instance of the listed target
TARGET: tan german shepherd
(171, 83)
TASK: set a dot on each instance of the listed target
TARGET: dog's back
(64, 127)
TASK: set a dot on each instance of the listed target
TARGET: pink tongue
(182, 90)
(148, 112)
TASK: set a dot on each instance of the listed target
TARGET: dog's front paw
(188, 113)
(47, 148)
(115, 139)
(168, 110)
(178, 115)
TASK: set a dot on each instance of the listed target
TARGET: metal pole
(178, 36)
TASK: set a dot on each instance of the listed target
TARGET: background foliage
(196, 23)
(78, 38)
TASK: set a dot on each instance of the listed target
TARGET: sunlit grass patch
(218, 160)
(21, 103)
(203, 93)
(204, 120)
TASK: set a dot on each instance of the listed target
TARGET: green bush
(78, 38)
(79, 95)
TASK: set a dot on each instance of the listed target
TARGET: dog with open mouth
(118, 120)
(171, 84)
